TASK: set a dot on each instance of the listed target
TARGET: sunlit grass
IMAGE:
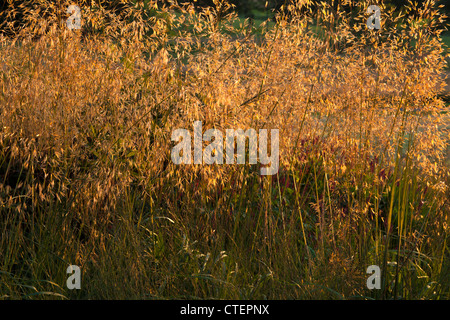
(86, 176)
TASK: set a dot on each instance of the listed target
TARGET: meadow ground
(87, 179)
